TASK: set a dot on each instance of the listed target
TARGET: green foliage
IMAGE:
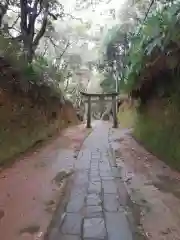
(133, 49)
(127, 116)
(150, 65)
(114, 51)
(160, 136)
(28, 133)
(40, 72)
(108, 84)
(11, 50)
(158, 35)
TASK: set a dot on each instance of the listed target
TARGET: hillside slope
(29, 113)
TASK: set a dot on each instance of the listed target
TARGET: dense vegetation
(143, 52)
(33, 105)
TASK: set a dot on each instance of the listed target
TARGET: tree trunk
(30, 55)
(28, 49)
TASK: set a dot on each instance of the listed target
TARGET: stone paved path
(94, 210)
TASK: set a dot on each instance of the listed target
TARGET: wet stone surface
(94, 187)
(93, 199)
(72, 224)
(109, 186)
(76, 203)
(69, 237)
(94, 228)
(111, 203)
(93, 209)
(117, 226)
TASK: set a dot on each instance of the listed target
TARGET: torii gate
(89, 97)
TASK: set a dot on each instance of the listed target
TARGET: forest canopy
(144, 46)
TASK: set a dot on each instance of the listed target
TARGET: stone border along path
(94, 210)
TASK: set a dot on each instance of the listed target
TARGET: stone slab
(93, 211)
(68, 237)
(109, 186)
(94, 187)
(117, 226)
(94, 228)
(76, 203)
(116, 172)
(107, 178)
(77, 190)
(94, 173)
(93, 199)
(95, 179)
(81, 178)
(111, 203)
(106, 173)
(72, 224)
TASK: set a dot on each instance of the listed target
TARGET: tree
(33, 19)
(38, 13)
(118, 40)
(145, 47)
(115, 48)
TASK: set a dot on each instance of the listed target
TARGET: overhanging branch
(63, 52)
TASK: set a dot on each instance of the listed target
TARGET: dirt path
(118, 189)
(153, 187)
(31, 189)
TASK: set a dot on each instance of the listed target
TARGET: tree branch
(67, 84)
(51, 40)
(14, 23)
(146, 14)
(43, 27)
(63, 52)
(23, 4)
(73, 17)
(32, 14)
(45, 50)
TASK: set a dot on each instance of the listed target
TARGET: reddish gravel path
(28, 194)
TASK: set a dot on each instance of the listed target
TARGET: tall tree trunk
(28, 21)
(28, 50)
(30, 55)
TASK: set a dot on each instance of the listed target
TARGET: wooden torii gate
(94, 97)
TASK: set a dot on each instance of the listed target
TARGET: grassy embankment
(31, 109)
(157, 127)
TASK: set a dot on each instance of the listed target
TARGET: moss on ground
(24, 125)
(159, 138)
(156, 127)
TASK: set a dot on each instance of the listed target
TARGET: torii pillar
(89, 113)
(115, 122)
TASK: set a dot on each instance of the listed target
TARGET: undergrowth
(42, 77)
(159, 132)
(126, 116)
(20, 140)
(32, 105)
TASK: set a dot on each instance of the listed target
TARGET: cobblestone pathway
(94, 210)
